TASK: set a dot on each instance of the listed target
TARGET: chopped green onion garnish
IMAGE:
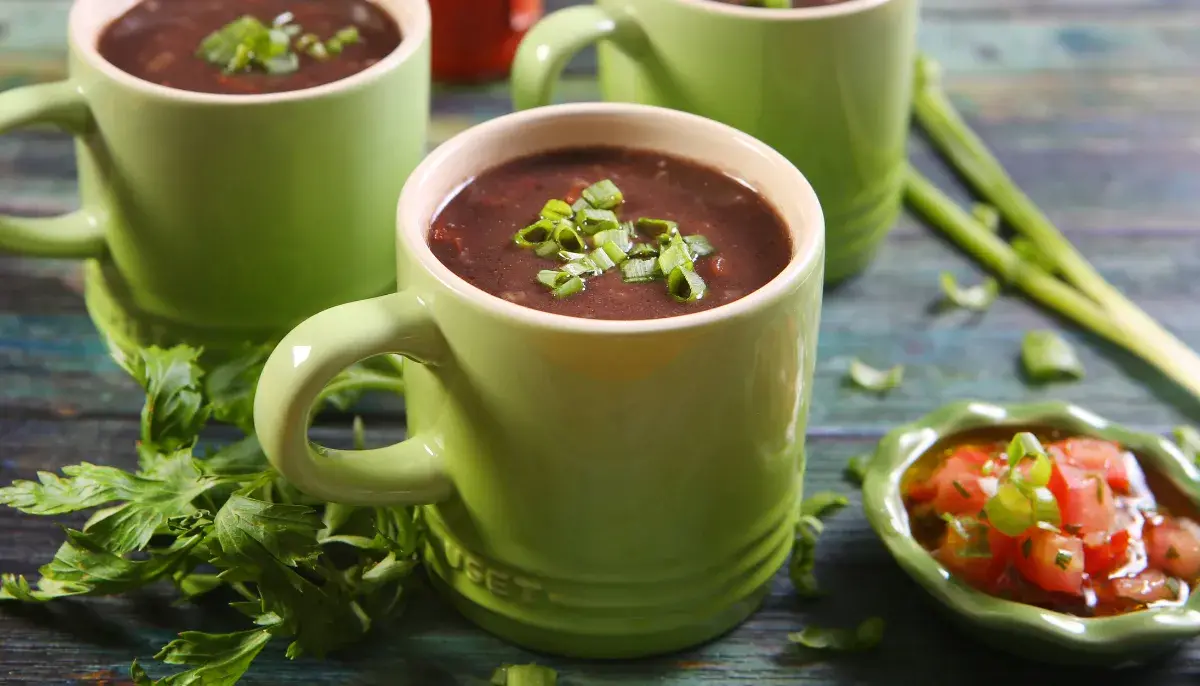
(546, 249)
(643, 250)
(698, 246)
(1045, 507)
(283, 19)
(303, 43)
(535, 234)
(571, 287)
(987, 215)
(1023, 444)
(1047, 356)
(823, 504)
(641, 270)
(569, 238)
(580, 204)
(568, 256)
(582, 267)
(614, 253)
(283, 64)
(1172, 553)
(348, 35)
(1062, 559)
(524, 675)
(241, 59)
(974, 298)
(804, 559)
(1188, 440)
(685, 285)
(552, 278)
(1010, 511)
(973, 533)
(603, 195)
(556, 209)
(871, 379)
(856, 469)
(317, 51)
(602, 260)
(674, 256)
(864, 637)
(334, 46)
(962, 490)
(1173, 586)
(591, 220)
(617, 237)
(657, 227)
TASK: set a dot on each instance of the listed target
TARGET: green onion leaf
(546, 249)
(1062, 559)
(317, 51)
(601, 259)
(556, 209)
(580, 204)
(524, 675)
(282, 64)
(975, 298)
(241, 59)
(1047, 356)
(551, 278)
(617, 237)
(871, 379)
(571, 287)
(823, 504)
(535, 234)
(569, 239)
(614, 253)
(583, 267)
(698, 246)
(641, 270)
(348, 35)
(1023, 444)
(657, 227)
(1045, 507)
(685, 285)
(592, 221)
(1188, 440)
(856, 469)
(804, 558)
(283, 19)
(643, 250)
(867, 635)
(603, 195)
(1010, 511)
(675, 256)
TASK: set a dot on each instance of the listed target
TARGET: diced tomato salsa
(1110, 549)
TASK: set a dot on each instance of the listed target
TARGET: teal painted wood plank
(434, 647)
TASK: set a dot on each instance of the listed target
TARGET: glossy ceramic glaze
(1025, 630)
(829, 87)
(596, 488)
(214, 219)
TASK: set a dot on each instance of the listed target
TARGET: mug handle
(411, 472)
(552, 43)
(79, 234)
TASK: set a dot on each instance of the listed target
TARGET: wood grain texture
(1094, 107)
(431, 646)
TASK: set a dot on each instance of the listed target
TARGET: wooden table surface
(1094, 106)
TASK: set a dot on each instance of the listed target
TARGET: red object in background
(474, 40)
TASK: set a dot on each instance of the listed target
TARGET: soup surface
(1075, 526)
(474, 234)
(161, 41)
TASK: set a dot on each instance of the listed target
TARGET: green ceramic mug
(220, 219)
(642, 515)
(829, 87)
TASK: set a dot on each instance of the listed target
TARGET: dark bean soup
(611, 233)
(247, 47)
(781, 4)
(1068, 523)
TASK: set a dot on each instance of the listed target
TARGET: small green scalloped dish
(1026, 630)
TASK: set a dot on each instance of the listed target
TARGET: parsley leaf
(230, 388)
(216, 658)
(86, 486)
(175, 411)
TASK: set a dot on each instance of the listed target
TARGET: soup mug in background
(594, 488)
(829, 87)
(220, 219)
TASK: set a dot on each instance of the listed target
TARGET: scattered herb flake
(1188, 440)
(1062, 559)
(865, 636)
(1026, 547)
(1172, 553)
(974, 298)
(1047, 356)
(962, 491)
(856, 469)
(800, 568)
(872, 379)
(524, 675)
(823, 504)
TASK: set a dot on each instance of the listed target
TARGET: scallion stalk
(1123, 321)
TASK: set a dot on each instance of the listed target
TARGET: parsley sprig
(205, 520)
